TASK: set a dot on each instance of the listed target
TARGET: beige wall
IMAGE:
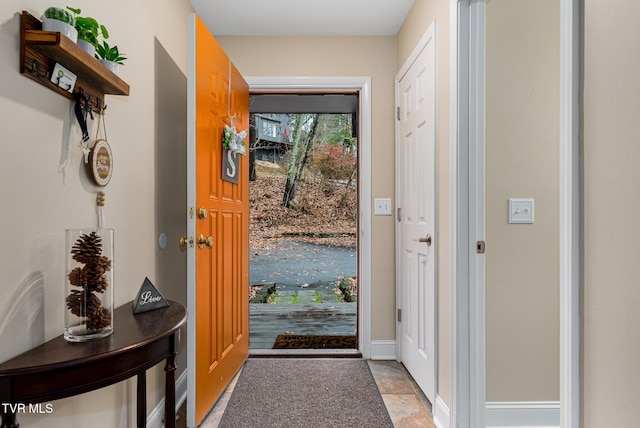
(344, 56)
(522, 135)
(422, 14)
(41, 199)
(45, 190)
(611, 295)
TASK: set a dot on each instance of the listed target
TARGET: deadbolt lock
(202, 213)
(184, 241)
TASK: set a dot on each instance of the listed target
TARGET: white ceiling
(303, 17)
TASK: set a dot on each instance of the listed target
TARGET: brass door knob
(202, 241)
(202, 213)
(184, 241)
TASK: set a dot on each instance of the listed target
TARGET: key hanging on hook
(80, 109)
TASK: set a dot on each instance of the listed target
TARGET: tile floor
(406, 404)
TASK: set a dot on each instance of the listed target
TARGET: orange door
(221, 213)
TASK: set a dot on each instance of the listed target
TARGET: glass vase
(89, 284)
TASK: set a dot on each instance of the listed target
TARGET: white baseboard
(156, 417)
(534, 414)
(441, 413)
(383, 349)
(181, 389)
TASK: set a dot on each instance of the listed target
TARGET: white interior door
(415, 196)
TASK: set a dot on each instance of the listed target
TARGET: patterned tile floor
(406, 404)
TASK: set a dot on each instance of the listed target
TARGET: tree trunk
(252, 147)
(347, 186)
(299, 155)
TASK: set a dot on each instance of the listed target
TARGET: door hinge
(398, 112)
(399, 214)
(480, 247)
(399, 315)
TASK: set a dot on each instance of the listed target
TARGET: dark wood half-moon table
(59, 369)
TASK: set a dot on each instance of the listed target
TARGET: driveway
(295, 265)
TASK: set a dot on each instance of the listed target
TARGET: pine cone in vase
(88, 248)
(91, 278)
(78, 277)
(99, 320)
(83, 304)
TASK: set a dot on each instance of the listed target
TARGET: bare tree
(299, 153)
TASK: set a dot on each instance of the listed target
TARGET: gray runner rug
(305, 393)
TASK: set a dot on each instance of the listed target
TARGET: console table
(59, 369)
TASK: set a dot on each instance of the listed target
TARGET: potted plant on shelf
(88, 31)
(60, 20)
(109, 56)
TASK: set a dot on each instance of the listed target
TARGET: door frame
(430, 35)
(467, 309)
(362, 84)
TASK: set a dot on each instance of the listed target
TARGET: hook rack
(96, 103)
(41, 50)
(35, 70)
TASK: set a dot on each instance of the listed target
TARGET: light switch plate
(521, 210)
(382, 206)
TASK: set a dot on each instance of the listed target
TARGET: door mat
(314, 341)
(295, 392)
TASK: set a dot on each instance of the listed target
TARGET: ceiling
(302, 17)
(303, 103)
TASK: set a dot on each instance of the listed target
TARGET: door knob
(202, 241)
(426, 239)
(202, 213)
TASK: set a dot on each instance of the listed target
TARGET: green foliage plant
(60, 15)
(88, 28)
(109, 53)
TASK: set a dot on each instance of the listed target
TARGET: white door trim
(191, 225)
(467, 213)
(466, 64)
(569, 214)
(362, 84)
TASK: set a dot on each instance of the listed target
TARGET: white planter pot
(49, 24)
(110, 65)
(88, 47)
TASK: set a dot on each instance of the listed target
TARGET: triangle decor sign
(148, 298)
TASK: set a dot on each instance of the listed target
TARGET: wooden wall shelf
(41, 50)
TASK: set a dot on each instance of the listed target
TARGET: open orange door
(219, 220)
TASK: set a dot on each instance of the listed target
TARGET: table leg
(142, 399)
(9, 420)
(170, 392)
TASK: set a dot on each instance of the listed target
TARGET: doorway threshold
(305, 353)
